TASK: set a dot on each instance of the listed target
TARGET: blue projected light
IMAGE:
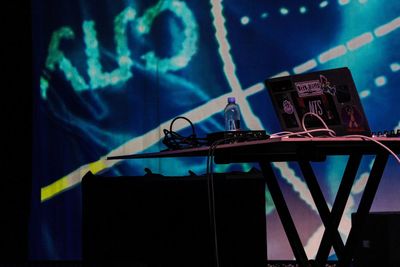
(245, 20)
(284, 11)
(115, 74)
(303, 10)
(380, 81)
(323, 4)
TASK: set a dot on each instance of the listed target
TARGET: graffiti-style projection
(113, 74)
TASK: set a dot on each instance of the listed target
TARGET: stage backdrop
(109, 76)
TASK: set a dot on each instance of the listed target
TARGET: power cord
(175, 141)
(211, 193)
(330, 132)
(377, 142)
(303, 124)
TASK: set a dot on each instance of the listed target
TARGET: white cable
(375, 141)
(319, 118)
(279, 134)
(331, 133)
(288, 134)
(306, 131)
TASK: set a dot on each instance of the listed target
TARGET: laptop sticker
(326, 86)
(288, 107)
(352, 118)
(315, 87)
(308, 88)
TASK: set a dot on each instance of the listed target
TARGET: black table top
(281, 149)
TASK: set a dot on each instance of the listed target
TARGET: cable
(375, 141)
(211, 193)
(301, 134)
(176, 141)
(319, 118)
(306, 131)
(330, 132)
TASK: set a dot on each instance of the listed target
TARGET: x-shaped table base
(330, 218)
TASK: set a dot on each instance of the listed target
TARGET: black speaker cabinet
(165, 221)
(380, 240)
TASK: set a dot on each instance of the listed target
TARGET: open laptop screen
(331, 94)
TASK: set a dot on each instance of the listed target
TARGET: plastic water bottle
(232, 115)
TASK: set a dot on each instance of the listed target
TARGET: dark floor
(80, 264)
(292, 264)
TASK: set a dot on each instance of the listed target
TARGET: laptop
(331, 94)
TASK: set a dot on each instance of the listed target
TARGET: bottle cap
(231, 100)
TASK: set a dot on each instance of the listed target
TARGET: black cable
(211, 193)
(176, 141)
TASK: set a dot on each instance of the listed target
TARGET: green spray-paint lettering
(99, 78)
(189, 45)
(57, 57)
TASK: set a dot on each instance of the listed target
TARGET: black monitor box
(379, 243)
(165, 221)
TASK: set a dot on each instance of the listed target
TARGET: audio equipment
(380, 240)
(165, 221)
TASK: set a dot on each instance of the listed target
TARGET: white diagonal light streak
(360, 41)
(305, 66)
(332, 53)
(229, 67)
(387, 28)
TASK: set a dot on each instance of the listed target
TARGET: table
(304, 151)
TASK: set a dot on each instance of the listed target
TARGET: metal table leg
(363, 208)
(338, 208)
(284, 214)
